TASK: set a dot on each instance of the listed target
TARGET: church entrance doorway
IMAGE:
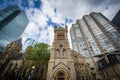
(61, 76)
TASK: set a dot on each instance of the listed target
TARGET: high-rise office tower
(93, 35)
(13, 22)
(29, 42)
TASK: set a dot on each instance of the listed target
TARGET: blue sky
(45, 14)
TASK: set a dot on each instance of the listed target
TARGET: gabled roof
(61, 63)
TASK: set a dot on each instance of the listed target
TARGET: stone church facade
(65, 64)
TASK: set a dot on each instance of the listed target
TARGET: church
(64, 63)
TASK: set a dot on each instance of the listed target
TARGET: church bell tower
(61, 65)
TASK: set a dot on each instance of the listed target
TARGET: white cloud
(37, 16)
(32, 31)
(69, 38)
(111, 11)
(47, 35)
(77, 8)
(49, 11)
(31, 3)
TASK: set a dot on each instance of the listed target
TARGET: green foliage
(40, 53)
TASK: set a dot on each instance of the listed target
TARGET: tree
(38, 56)
(39, 53)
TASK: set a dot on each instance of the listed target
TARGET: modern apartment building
(94, 35)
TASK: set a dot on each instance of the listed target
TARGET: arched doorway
(60, 76)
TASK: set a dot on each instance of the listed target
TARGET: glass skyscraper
(13, 22)
(94, 35)
(29, 42)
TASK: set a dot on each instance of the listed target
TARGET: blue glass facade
(12, 24)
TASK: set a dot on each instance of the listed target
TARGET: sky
(45, 14)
